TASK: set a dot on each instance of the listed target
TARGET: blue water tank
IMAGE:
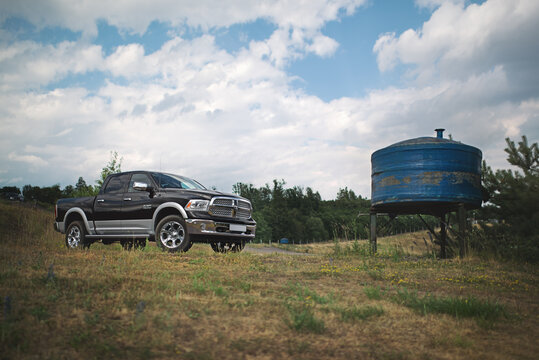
(429, 175)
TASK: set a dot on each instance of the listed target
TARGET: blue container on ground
(430, 175)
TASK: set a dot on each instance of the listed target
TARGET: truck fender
(89, 230)
(166, 206)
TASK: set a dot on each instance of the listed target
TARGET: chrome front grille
(230, 207)
(223, 201)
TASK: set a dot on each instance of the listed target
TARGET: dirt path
(271, 250)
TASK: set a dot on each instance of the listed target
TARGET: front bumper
(220, 229)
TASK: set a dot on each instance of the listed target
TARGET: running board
(130, 236)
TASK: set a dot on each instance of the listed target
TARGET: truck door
(108, 206)
(138, 206)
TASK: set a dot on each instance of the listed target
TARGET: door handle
(100, 200)
(127, 199)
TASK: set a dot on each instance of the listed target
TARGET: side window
(138, 178)
(114, 186)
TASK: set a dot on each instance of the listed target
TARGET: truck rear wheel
(171, 234)
(76, 236)
(224, 247)
(129, 244)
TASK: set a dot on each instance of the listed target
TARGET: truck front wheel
(171, 234)
(76, 236)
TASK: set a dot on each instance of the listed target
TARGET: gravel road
(271, 250)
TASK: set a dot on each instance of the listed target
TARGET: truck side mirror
(142, 186)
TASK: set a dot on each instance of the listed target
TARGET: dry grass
(106, 302)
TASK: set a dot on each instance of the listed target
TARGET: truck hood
(205, 194)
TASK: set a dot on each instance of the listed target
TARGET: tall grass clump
(360, 313)
(303, 293)
(355, 249)
(22, 224)
(302, 319)
(373, 293)
(468, 307)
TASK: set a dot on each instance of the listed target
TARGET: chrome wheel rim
(172, 234)
(74, 236)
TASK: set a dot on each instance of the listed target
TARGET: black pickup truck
(172, 210)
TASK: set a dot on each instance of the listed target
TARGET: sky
(251, 91)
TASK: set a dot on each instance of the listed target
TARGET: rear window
(114, 186)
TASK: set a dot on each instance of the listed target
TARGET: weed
(360, 249)
(218, 289)
(373, 293)
(462, 342)
(396, 253)
(304, 293)
(79, 339)
(245, 286)
(198, 285)
(193, 314)
(458, 307)
(196, 261)
(376, 274)
(298, 347)
(92, 319)
(337, 249)
(40, 313)
(359, 313)
(302, 319)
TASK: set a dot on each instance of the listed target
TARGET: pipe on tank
(439, 133)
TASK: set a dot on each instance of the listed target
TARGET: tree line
(301, 216)
(508, 222)
(48, 195)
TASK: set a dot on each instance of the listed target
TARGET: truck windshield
(170, 181)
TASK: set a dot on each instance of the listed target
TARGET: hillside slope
(110, 303)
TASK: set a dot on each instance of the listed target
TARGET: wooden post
(373, 233)
(443, 236)
(463, 244)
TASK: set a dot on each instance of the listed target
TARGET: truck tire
(171, 234)
(127, 244)
(224, 247)
(133, 244)
(76, 236)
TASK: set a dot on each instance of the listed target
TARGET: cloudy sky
(250, 91)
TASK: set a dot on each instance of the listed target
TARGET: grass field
(334, 302)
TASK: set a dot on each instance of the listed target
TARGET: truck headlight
(197, 205)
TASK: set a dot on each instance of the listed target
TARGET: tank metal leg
(443, 237)
(463, 243)
(373, 233)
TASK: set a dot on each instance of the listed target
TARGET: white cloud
(33, 160)
(136, 16)
(459, 41)
(27, 64)
(432, 4)
(298, 22)
(195, 109)
(245, 122)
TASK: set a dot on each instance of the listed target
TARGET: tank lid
(425, 140)
(439, 139)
